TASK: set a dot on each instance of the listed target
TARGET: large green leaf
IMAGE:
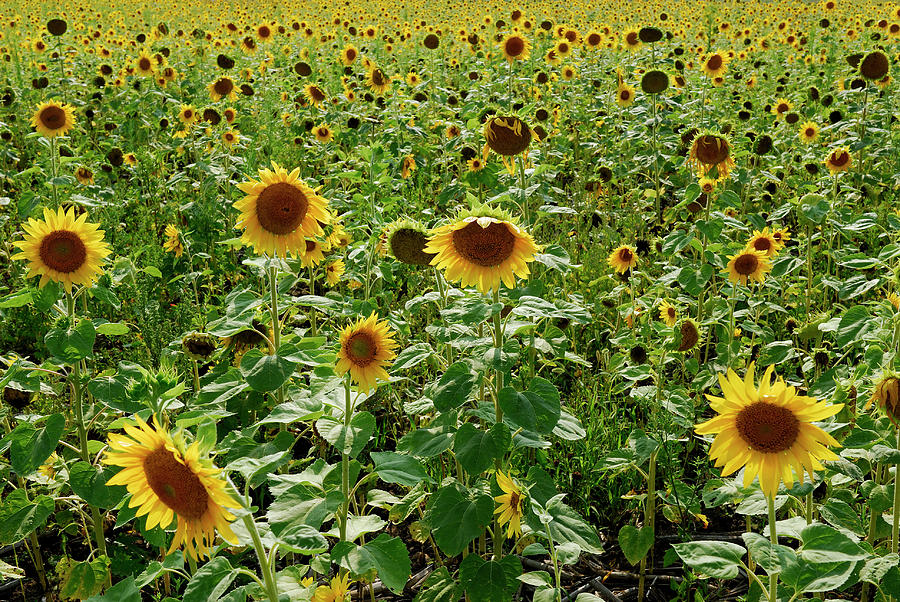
(537, 409)
(719, 559)
(457, 516)
(211, 581)
(123, 591)
(30, 447)
(454, 387)
(439, 587)
(476, 449)
(71, 344)
(635, 543)
(89, 483)
(347, 439)
(567, 526)
(399, 468)
(824, 544)
(384, 556)
(490, 580)
(266, 372)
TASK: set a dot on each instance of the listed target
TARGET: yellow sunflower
(378, 81)
(349, 54)
(668, 313)
(482, 250)
(367, 346)
(749, 264)
(511, 502)
(173, 241)
(631, 40)
(314, 94)
(145, 64)
(764, 241)
(839, 160)
(624, 95)
(767, 430)
(781, 236)
(84, 176)
(62, 248)
(222, 88)
(715, 64)
(623, 259)
(167, 483)
(335, 592)
(323, 133)
(886, 393)
(280, 212)
(53, 119)
(334, 271)
(809, 131)
(515, 47)
(231, 137)
(188, 115)
(781, 108)
(314, 253)
(711, 151)
(407, 166)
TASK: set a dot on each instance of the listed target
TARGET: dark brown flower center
(840, 158)
(503, 139)
(224, 86)
(52, 117)
(689, 336)
(311, 246)
(714, 62)
(625, 94)
(378, 77)
(515, 46)
(671, 312)
(514, 501)
(594, 39)
(361, 349)
(144, 64)
(350, 54)
(762, 244)
(63, 251)
(632, 38)
(315, 92)
(625, 255)
(767, 428)
(810, 132)
(175, 484)
(746, 264)
(281, 208)
(782, 108)
(408, 244)
(486, 247)
(710, 149)
(264, 31)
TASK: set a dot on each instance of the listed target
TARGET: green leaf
(439, 587)
(635, 543)
(8, 571)
(83, 580)
(825, 544)
(358, 526)
(458, 516)
(303, 539)
(773, 558)
(399, 468)
(454, 387)
(718, 559)
(89, 483)
(427, 442)
(123, 591)
(813, 208)
(855, 322)
(537, 409)
(265, 372)
(476, 449)
(877, 568)
(347, 439)
(302, 504)
(210, 581)
(490, 580)
(71, 344)
(31, 447)
(111, 391)
(568, 527)
(19, 516)
(385, 556)
(112, 328)
(693, 281)
(470, 311)
(411, 357)
(17, 299)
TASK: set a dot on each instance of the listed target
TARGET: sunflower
(781, 235)
(688, 335)
(406, 241)
(349, 54)
(62, 248)
(569, 73)
(335, 592)
(809, 131)
(749, 264)
(167, 482)
(173, 241)
(314, 94)
(407, 166)
(230, 137)
(894, 299)
(886, 394)
(280, 212)
(188, 115)
(367, 346)
(839, 160)
(323, 133)
(631, 40)
(482, 248)
(145, 64)
(314, 253)
(768, 430)
(378, 81)
(711, 151)
(53, 119)
(515, 47)
(622, 259)
(506, 136)
(84, 176)
(198, 346)
(707, 185)
(781, 108)
(260, 334)
(334, 271)
(668, 313)
(624, 95)
(511, 502)
(475, 164)
(765, 242)
(715, 64)
(229, 114)
(222, 88)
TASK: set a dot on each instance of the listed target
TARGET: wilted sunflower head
(688, 335)
(507, 136)
(709, 151)
(198, 345)
(874, 66)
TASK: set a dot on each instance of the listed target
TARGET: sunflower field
(449, 301)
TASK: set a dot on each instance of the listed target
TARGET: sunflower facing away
(511, 502)
(62, 248)
(280, 212)
(623, 258)
(53, 119)
(482, 250)
(886, 393)
(367, 346)
(167, 483)
(749, 264)
(769, 430)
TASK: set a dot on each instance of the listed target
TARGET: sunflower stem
(265, 568)
(649, 518)
(276, 324)
(312, 291)
(895, 529)
(498, 413)
(345, 463)
(773, 537)
(77, 395)
(54, 170)
(555, 562)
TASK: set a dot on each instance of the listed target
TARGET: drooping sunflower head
(199, 346)
(84, 175)
(765, 242)
(168, 482)
(63, 248)
(768, 430)
(839, 160)
(622, 259)
(366, 349)
(259, 335)
(53, 119)
(407, 166)
(688, 335)
(711, 151)
(378, 81)
(483, 248)
(173, 241)
(406, 240)
(515, 47)
(507, 136)
(874, 66)
(749, 264)
(886, 394)
(280, 212)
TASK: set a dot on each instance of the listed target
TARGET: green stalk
(498, 414)
(649, 518)
(895, 529)
(266, 568)
(312, 310)
(54, 170)
(555, 562)
(276, 323)
(773, 537)
(345, 464)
